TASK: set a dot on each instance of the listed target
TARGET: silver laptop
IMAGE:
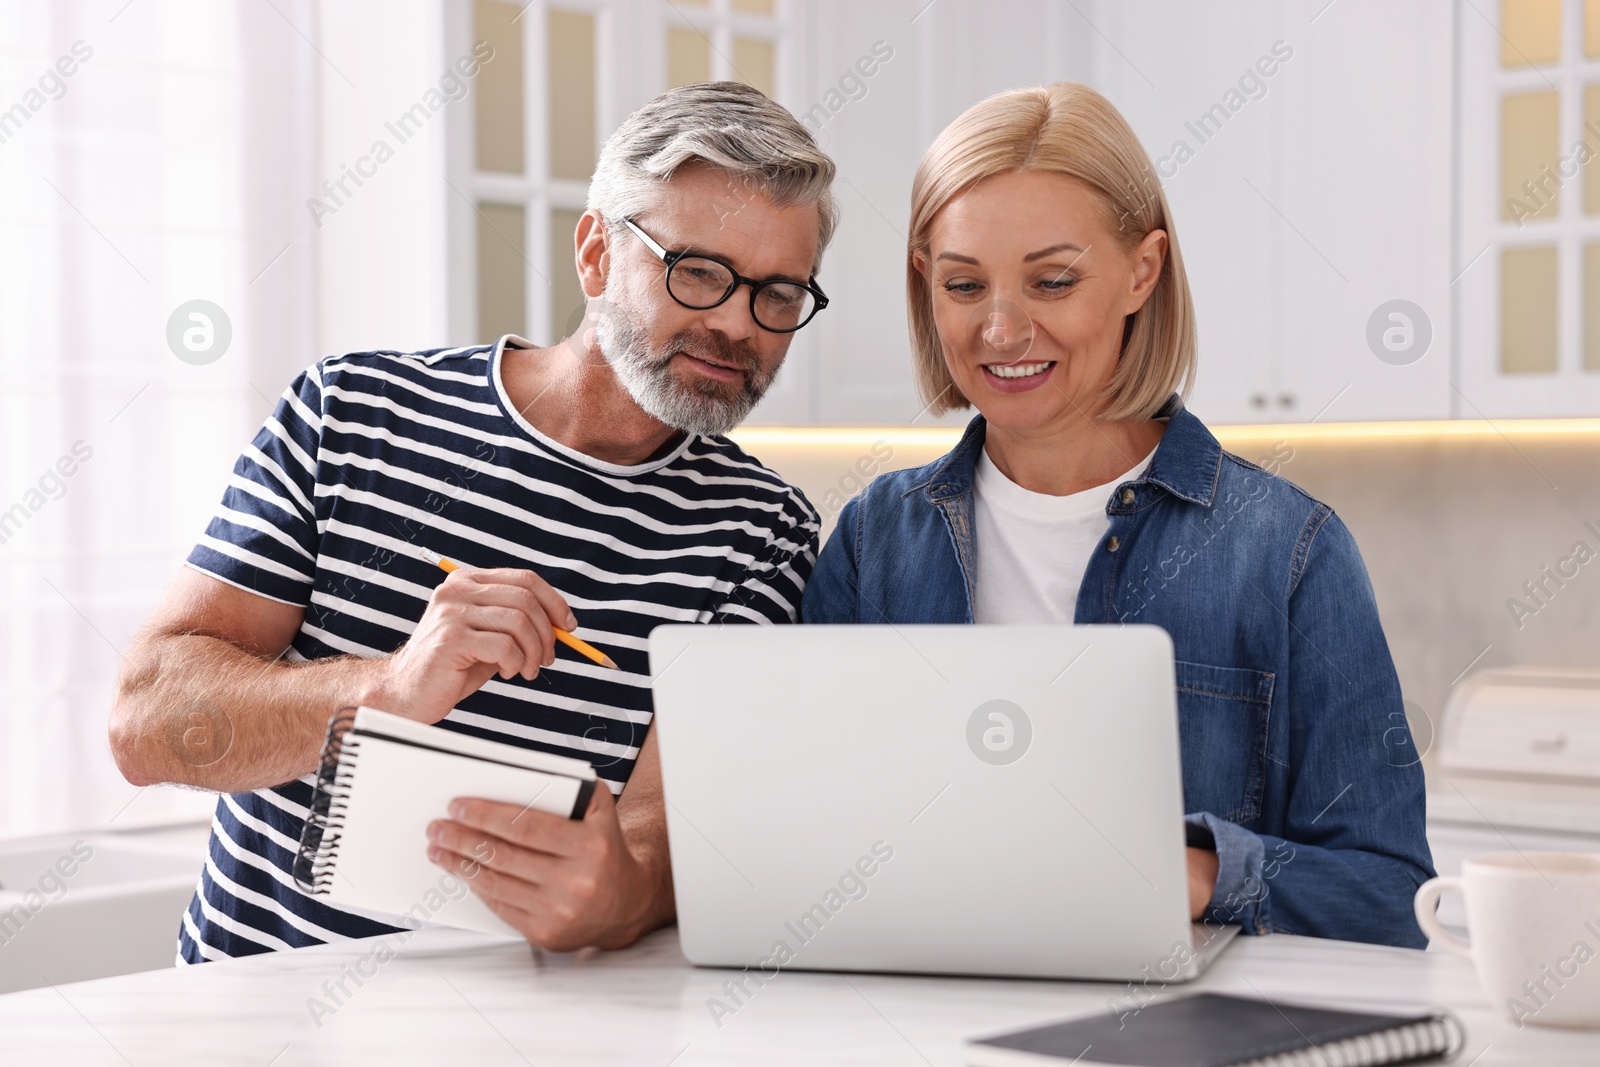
(982, 800)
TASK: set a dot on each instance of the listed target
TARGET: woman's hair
(722, 124)
(1071, 130)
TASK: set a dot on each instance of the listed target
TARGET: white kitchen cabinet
(1304, 198)
(1530, 283)
(1166, 66)
(855, 356)
(1362, 149)
(1318, 158)
(1318, 192)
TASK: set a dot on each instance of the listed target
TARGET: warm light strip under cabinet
(755, 437)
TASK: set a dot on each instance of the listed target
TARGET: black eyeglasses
(700, 282)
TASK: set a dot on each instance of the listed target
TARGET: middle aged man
(596, 467)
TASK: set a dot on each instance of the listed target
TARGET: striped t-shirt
(369, 458)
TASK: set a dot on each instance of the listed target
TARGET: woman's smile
(1018, 377)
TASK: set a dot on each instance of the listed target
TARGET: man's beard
(701, 405)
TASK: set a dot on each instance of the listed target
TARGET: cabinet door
(877, 126)
(1174, 70)
(1529, 255)
(1362, 220)
(1305, 154)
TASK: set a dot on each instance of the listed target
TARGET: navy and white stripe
(371, 457)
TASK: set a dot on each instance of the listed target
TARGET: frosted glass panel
(566, 295)
(572, 92)
(497, 109)
(502, 270)
(1591, 27)
(753, 62)
(754, 7)
(688, 57)
(1528, 310)
(1530, 32)
(1528, 133)
(1591, 306)
(1591, 173)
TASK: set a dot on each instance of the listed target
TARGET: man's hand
(1202, 880)
(564, 884)
(478, 623)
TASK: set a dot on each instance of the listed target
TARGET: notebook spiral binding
(1441, 1036)
(319, 842)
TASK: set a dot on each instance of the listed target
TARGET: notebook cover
(1204, 1030)
(396, 727)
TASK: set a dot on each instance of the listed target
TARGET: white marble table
(458, 998)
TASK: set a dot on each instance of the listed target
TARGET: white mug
(1534, 920)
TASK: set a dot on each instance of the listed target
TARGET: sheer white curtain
(152, 153)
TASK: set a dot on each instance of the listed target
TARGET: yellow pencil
(577, 644)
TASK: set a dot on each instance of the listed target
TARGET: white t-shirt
(1033, 548)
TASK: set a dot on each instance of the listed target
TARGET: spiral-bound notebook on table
(382, 780)
(1215, 1030)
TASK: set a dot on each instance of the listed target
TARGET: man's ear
(593, 253)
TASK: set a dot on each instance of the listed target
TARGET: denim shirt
(1298, 768)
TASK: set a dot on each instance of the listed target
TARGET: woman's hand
(1202, 880)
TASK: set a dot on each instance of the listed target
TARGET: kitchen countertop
(447, 996)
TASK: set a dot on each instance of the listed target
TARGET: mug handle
(1425, 903)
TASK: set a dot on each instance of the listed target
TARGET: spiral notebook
(1214, 1030)
(382, 780)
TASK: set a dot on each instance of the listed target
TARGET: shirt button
(1127, 496)
(1113, 543)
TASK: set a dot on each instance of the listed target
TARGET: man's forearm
(644, 828)
(200, 711)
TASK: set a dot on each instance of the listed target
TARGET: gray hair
(727, 125)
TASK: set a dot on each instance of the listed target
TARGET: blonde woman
(1046, 290)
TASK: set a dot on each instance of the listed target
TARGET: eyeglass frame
(671, 259)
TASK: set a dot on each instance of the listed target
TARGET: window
(1529, 258)
(534, 138)
(723, 40)
(170, 166)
